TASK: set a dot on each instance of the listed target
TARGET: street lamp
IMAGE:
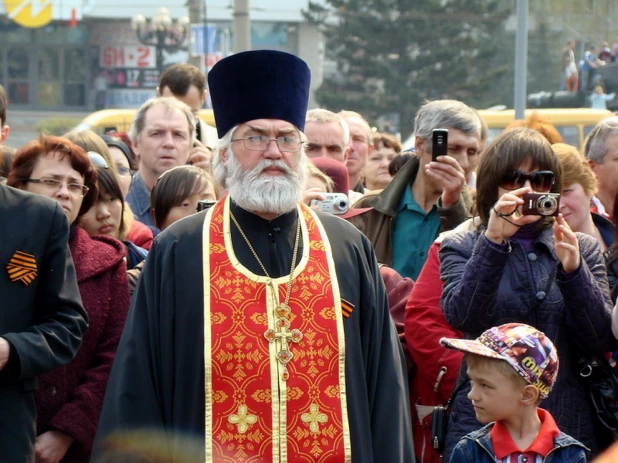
(161, 32)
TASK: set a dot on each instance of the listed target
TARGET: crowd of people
(178, 293)
(582, 75)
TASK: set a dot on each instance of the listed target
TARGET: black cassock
(157, 381)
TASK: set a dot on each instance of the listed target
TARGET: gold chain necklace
(283, 334)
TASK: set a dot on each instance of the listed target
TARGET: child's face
(494, 395)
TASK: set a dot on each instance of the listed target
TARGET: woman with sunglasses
(69, 399)
(107, 216)
(529, 269)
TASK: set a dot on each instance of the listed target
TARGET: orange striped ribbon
(346, 308)
(22, 267)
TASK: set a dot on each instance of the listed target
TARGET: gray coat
(487, 285)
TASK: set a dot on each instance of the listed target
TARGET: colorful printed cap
(528, 351)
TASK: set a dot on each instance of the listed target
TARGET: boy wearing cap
(512, 368)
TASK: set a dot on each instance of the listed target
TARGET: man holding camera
(427, 195)
(260, 326)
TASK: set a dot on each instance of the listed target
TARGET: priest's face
(267, 179)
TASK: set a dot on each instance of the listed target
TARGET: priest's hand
(51, 447)
(5, 350)
(200, 156)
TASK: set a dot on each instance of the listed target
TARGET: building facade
(81, 55)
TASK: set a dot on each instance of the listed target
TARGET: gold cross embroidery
(242, 419)
(283, 335)
(313, 418)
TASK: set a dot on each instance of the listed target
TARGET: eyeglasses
(541, 180)
(285, 143)
(97, 159)
(52, 184)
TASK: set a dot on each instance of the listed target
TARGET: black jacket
(41, 313)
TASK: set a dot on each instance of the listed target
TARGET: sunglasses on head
(97, 159)
(541, 180)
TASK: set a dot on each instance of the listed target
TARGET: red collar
(504, 446)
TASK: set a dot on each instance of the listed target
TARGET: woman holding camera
(531, 269)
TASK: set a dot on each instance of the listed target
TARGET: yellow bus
(574, 124)
(119, 120)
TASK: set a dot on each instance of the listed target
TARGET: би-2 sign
(128, 56)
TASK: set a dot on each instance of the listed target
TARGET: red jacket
(398, 291)
(140, 235)
(424, 326)
(69, 399)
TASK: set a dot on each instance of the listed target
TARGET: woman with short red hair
(69, 399)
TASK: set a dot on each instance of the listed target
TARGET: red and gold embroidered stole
(254, 414)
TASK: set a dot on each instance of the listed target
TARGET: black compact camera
(439, 145)
(333, 203)
(204, 205)
(546, 204)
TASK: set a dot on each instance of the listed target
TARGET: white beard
(256, 192)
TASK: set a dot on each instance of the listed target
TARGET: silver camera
(334, 203)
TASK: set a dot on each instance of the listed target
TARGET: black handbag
(601, 380)
(439, 420)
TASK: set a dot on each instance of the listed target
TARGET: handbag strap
(458, 387)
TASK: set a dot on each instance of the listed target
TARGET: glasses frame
(263, 137)
(42, 181)
(531, 177)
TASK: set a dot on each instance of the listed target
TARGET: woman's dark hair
(173, 187)
(108, 186)
(28, 155)
(509, 151)
(398, 162)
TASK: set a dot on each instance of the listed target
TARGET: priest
(260, 329)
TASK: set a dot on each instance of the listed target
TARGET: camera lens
(547, 205)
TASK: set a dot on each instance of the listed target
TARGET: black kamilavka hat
(259, 84)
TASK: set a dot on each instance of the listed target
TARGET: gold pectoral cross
(283, 335)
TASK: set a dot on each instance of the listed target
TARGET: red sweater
(69, 399)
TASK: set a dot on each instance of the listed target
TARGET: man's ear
(4, 133)
(591, 163)
(346, 153)
(158, 91)
(223, 156)
(370, 149)
(530, 395)
(419, 145)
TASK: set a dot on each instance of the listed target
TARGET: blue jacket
(476, 448)
(485, 286)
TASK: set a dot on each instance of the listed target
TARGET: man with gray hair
(601, 151)
(361, 147)
(328, 135)
(162, 134)
(425, 196)
(260, 327)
